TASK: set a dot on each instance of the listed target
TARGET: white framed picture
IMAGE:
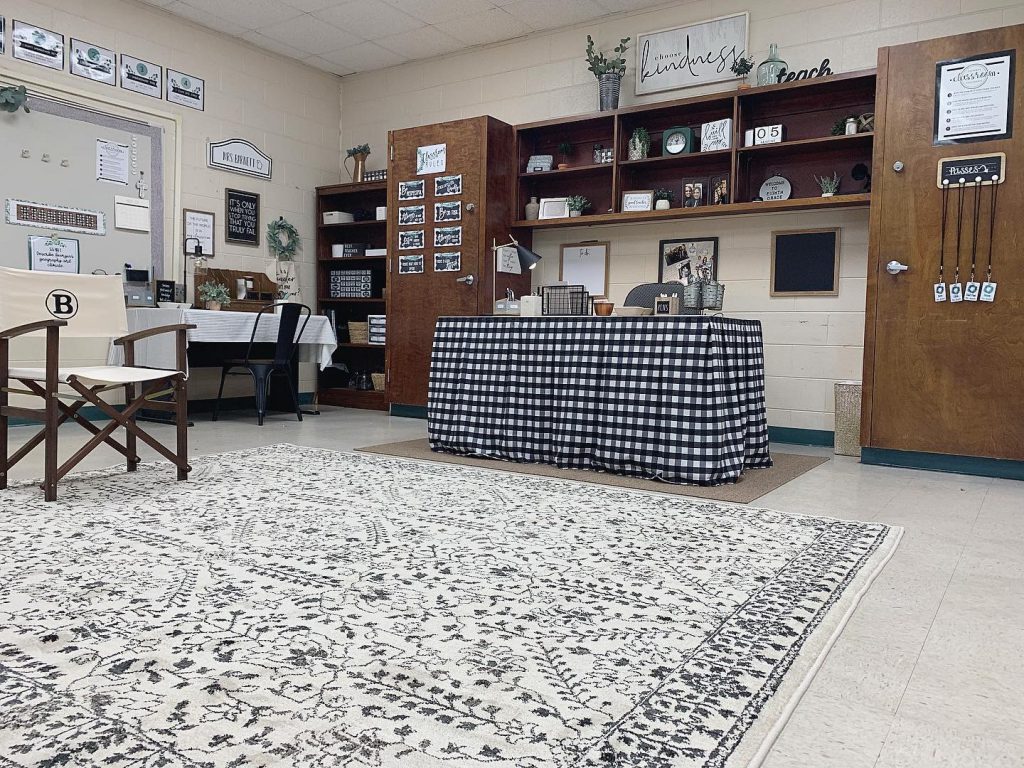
(186, 90)
(93, 62)
(432, 158)
(553, 208)
(637, 200)
(38, 45)
(141, 76)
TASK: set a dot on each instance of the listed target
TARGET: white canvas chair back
(92, 305)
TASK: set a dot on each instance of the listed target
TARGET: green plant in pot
(577, 204)
(829, 184)
(608, 71)
(13, 98)
(639, 143)
(742, 67)
(663, 199)
(357, 155)
(564, 153)
(214, 295)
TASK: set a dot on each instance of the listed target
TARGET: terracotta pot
(562, 166)
(603, 308)
(213, 305)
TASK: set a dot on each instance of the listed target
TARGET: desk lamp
(527, 260)
(196, 254)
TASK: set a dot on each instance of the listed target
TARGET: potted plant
(12, 99)
(564, 153)
(663, 199)
(577, 204)
(742, 67)
(829, 186)
(214, 295)
(358, 155)
(639, 143)
(608, 72)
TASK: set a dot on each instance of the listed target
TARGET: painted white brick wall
(810, 343)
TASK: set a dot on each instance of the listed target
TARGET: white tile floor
(928, 673)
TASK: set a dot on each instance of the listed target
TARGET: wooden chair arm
(139, 335)
(20, 330)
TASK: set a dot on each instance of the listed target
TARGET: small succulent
(360, 149)
(665, 194)
(577, 203)
(215, 292)
(12, 99)
(829, 186)
(641, 137)
(601, 64)
(741, 67)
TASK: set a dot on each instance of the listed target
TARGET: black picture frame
(686, 259)
(694, 183)
(719, 192)
(805, 262)
(241, 226)
(1008, 133)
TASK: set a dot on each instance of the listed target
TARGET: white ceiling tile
(208, 20)
(327, 66)
(369, 19)
(618, 6)
(364, 56)
(490, 26)
(542, 14)
(308, 6)
(253, 14)
(159, 3)
(261, 41)
(439, 11)
(308, 35)
(420, 43)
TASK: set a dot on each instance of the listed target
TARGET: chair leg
(181, 423)
(261, 396)
(50, 448)
(293, 392)
(130, 441)
(4, 457)
(220, 393)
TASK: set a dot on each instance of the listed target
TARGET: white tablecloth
(317, 343)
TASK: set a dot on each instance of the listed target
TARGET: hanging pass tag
(988, 291)
(956, 293)
(940, 291)
(971, 291)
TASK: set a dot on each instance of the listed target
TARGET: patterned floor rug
(300, 607)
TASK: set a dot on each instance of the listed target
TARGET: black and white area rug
(300, 607)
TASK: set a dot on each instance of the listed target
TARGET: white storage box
(338, 217)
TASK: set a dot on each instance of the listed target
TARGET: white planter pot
(827, 194)
(662, 205)
(574, 214)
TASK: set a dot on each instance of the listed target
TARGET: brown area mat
(754, 483)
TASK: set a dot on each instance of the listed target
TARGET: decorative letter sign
(239, 156)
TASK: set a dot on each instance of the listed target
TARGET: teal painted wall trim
(795, 436)
(942, 462)
(409, 411)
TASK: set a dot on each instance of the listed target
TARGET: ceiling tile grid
(349, 36)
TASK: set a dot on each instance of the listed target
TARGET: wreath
(282, 250)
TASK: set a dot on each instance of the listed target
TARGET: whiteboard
(49, 156)
(586, 264)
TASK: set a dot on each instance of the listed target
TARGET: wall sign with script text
(974, 98)
(969, 168)
(239, 156)
(242, 217)
(431, 159)
(696, 54)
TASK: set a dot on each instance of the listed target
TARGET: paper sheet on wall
(112, 161)
(131, 213)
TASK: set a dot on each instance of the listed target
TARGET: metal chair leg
(220, 394)
(293, 393)
(261, 396)
(130, 441)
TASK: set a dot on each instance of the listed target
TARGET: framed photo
(448, 185)
(695, 192)
(688, 260)
(718, 192)
(553, 208)
(411, 190)
(241, 217)
(410, 240)
(805, 262)
(449, 211)
(638, 200)
(412, 214)
(447, 236)
(197, 225)
(93, 62)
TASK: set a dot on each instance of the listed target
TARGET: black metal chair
(644, 295)
(262, 370)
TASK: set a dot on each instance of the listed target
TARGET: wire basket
(358, 333)
(698, 296)
(565, 300)
(378, 381)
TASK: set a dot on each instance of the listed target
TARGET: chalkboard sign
(165, 290)
(805, 262)
(242, 213)
(969, 168)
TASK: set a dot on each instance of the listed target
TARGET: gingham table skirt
(680, 399)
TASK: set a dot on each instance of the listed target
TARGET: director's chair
(52, 305)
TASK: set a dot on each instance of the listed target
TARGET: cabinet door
(417, 298)
(942, 377)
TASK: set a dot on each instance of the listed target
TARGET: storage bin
(358, 333)
(847, 440)
(378, 381)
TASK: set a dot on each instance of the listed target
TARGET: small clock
(677, 141)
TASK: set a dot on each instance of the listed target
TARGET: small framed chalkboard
(242, 217)
(165, 290)
(805, 262)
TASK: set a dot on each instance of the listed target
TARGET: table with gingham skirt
(680, 399)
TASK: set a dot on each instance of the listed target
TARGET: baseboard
(981, 466)
(409, 411)
(795, 436)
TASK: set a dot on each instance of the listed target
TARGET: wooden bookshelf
(807, 110)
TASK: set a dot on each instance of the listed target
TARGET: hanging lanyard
(992, 226)
(942, 236)
(977, 213)
(959, 230)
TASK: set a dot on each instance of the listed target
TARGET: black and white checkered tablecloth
(679, 398)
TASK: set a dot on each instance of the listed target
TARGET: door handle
(894, 267)
(470, 279)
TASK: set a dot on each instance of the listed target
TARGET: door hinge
(389, 376)
(391, 151)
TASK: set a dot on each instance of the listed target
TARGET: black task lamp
(527, 259)
(196, 254)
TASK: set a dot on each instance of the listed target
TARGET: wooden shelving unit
(334, 386)
(807, 109)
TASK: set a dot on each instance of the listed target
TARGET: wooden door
(940, 377)
(416, 300)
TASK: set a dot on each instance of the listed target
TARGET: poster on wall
(92, 62)
(198, 226)
(432, 158)
(186, 90)
(38, 45)
(411, 264)
(242, 217)
(53, 254)
(696, 54)
(112, 161)
(140, 76)
(974, 98)
(448, 261)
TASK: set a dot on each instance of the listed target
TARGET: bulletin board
(49, 157)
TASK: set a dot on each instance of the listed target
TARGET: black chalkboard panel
(805, 262)
(242, 217)
(165, 290)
